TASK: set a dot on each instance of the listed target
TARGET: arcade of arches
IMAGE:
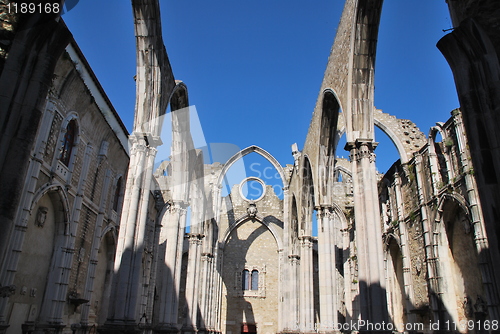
(126, 245)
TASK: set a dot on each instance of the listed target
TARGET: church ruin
(97, 237)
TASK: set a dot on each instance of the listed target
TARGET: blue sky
(254, 68)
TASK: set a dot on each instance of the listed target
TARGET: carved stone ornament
(418, 266)
(7, 291)
(252, 210)
(481, 306)
(41, 216)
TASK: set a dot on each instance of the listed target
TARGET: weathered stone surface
(342, 243)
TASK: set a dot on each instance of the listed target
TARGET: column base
(166, 329)
(3, 328)
(121, 327)
(189, 330)
(32, 328)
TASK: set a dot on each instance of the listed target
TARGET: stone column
(430, 248)
(96, 244)
(284, 286)
(408, 291)
(172, 237)
(306, 285)
(293, 309)
(192, 283)
(217, 292)
(206, 290)
(125, 312)
(373, 302)
(480, 238)
(327, 269)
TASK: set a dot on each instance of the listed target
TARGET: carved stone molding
(53, 134)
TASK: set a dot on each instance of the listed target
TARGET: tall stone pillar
(125, 311)
(206, 288)
(373, 302)
(174, 222)
(405, 252)
(480, 236)
(306, 285)
(192, 283)
(96, 244)
(430, 248)
(293, 306)
(327, 270)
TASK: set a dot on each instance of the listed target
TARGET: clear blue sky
(254, 68)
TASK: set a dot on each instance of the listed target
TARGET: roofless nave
(96, 238)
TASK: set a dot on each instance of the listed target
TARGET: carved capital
(306, 241)
(207, 257)
(177, 207)
(294, 259)
(195, 238)
(325, 211)
(362, 149)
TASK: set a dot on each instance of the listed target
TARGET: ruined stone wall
(432, 220)
(78, 204)
(485, 13)
(251, 246)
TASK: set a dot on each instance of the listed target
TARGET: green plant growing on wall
(412, 217)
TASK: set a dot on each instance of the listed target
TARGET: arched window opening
(187, 229)
(118, 191)
(386, 153)
(68, 143)
(245, 279)
(307, 200)
(255, 280)
(294, 235)
(331, 109)
(439, 149)
(315, 223)
(250, 280)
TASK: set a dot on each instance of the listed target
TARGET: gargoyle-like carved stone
(252, 210)
(41, 216)
(7, 290)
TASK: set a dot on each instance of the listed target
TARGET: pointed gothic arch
(246, 151)
(307, 197)
(240, 221)
(179, 98)
(330, 109)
